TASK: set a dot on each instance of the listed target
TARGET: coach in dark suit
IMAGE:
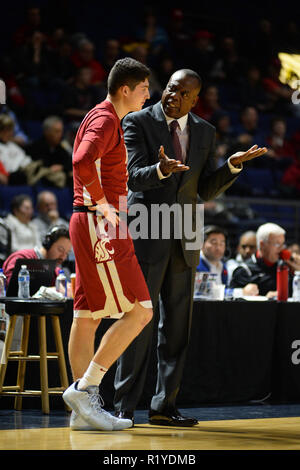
(168, 166)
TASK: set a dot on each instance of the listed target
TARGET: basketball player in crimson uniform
(109, 281)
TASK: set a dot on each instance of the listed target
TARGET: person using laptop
(56, 245)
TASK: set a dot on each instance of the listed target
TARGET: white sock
(92, 376)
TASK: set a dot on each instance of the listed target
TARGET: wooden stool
(41, 310)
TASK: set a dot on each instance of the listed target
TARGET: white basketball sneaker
(89, 405)
(77, 423)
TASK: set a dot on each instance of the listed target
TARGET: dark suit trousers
(171, 285)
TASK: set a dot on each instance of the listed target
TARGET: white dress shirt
(183, 135)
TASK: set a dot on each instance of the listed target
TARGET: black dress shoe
(170, 418)
(125, 415)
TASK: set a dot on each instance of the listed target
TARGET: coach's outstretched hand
(169, 165)
(239, 157)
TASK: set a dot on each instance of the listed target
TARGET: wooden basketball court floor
(262, 427)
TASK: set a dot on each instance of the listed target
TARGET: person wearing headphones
(212, 258)
(56, 246)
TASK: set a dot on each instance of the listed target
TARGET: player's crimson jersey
(100, 158)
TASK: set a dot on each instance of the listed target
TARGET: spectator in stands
(24, 233)
(279, 94)
(152, 33)
(208, 103)
(62, 65)
(47, 213)
(84, 56)
(111, 53)
(247, 131)
(81, 96)
(165, 69)
(281, 151)
(180, 37)
(50, 152)
(245, 249)
(201, 54)
(140, 52)
(13, 158)
(294, 248)
(56, 245)
(261, 267)
(251, 91)
(32, 22)
(228, 64)
(19, 136)
(33, 62)
(290, 181)
(212, 257)
(224, 135)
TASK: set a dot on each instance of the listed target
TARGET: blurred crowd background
(55, 57)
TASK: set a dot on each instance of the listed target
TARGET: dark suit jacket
(145, 131)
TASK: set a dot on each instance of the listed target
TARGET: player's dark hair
(128, 72)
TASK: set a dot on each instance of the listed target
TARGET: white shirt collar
(213, 267)
(181, 121)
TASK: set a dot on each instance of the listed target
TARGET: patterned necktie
(176, 144)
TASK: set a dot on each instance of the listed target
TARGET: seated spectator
(32, 22)
(50, 153)
(290, 181)
(208, 103)
(19, 137)
(56, 245)
(280, 150)
(245, 249)
(34, 62)
(152, 33)
(47, 213)
(247, 132)
(212, 258)
(24, 234)
(81, 96)
(248, 129)
(224, 135)
(61, 62)
(201, 54)
(111, 53)
(279, 95)
(294, 248)
(84, 56)
(261, 268)
(228, 64)
(251, 91)
(13, 158)
(140, 52)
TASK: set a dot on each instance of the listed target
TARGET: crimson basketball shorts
(108, 276)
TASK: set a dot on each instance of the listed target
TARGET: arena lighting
(290, 69)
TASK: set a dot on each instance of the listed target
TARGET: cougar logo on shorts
(103, 251)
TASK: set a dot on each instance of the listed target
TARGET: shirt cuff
(160, 175)
(234, 169)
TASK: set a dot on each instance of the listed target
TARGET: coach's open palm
(239, 157)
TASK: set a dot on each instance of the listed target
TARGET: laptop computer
(42, 273)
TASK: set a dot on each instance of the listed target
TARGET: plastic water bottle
(61, 283)
(2, 283)
(24, 282)
(296, 287)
